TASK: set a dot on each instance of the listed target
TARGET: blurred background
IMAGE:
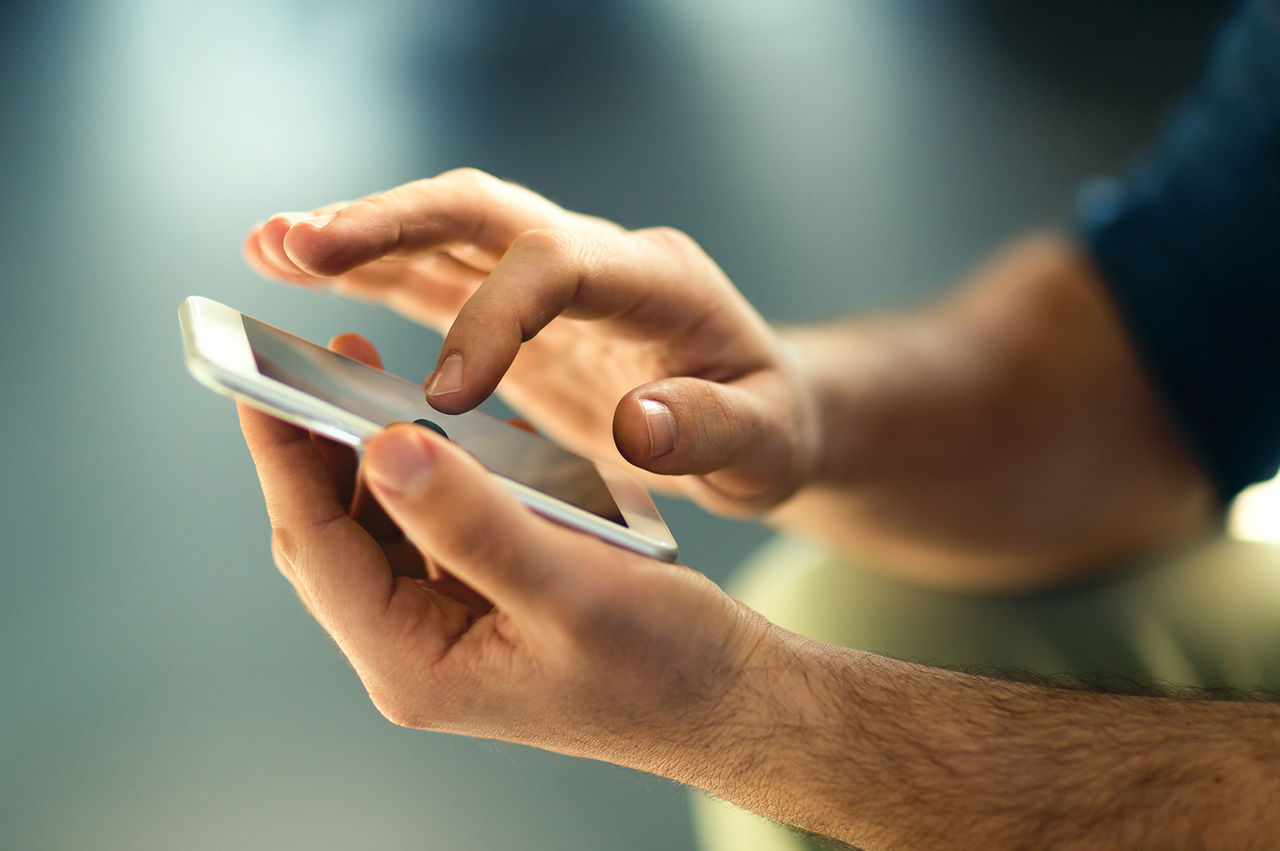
(160, 687)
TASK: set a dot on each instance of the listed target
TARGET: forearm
(883, 754)
(1004, 436)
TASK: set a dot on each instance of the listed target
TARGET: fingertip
(645, 431)
(662, 428)
(400, 460)
(478, 350)
(450, 405)
(450, 391)
(251, 250)
(271, 249)
(522, 424)
(309, 248)
(356, 347)
(446, 380)
(326, 246)
(252, 253)
(682, 426)
(450, 508)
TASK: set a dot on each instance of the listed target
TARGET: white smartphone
(345, 400)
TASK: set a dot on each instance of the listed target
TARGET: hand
(463, 611)
(614, 342)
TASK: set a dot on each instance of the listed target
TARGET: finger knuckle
(283, 551)
(671, 239)
(388, 201)
(280, 222)
(717, 416)
(397, 708)
(370, 204)
(544, 245)
(468, 177)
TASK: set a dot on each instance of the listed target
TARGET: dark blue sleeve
(1189, 243)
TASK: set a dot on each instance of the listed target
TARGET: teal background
(159, 685)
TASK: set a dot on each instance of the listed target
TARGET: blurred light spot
(1255, 514)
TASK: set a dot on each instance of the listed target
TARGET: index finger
(654, 284)
(467, 211)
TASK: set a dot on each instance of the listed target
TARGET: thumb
(458, 514)
(738, 435)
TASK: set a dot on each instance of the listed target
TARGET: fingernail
(401, 461)
(663, 432)
(315, 221)
(448, 378)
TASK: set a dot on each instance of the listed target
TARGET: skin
(957, 442)
(1004, 438)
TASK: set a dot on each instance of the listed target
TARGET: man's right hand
(614, 342)
(1005, 437)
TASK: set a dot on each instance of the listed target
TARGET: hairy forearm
(1004, 436)
(884, 754)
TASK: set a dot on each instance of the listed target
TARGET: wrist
(689, 704)
(783, 730)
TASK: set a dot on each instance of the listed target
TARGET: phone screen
(379, 397)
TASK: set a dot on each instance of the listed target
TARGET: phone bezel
(220, 356)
